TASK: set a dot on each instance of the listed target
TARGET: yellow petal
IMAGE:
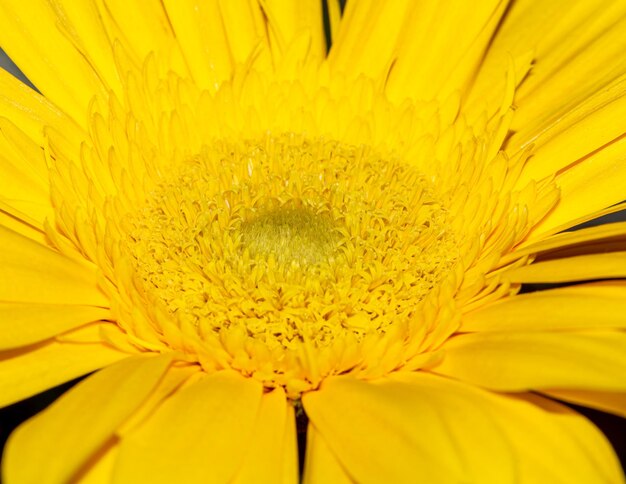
(27, 212)
(436, 30)
(574, 240)
(31, 272)
(63, 437)
(24, 183)
(17, 223)
(599, 305)
(288, 18)
(577, 49)
(513, 40)
(99, 468)
(29, 110)
(81, 22)
(578, 268)
(321, 465)
(334, 18)
(33, 369)
(264, 460)
(24, 324)
(48, 56)
(607, 245)
(582, 129)
(200, 31)
(588, 216)
(593, 360)
(546, 117)
(416, 427)
(594, 183)
(611, 402)
(200, 434)
(245, 27)
(396, 432)
(143, 28)
(290, 449)
(364, 42)
(175, 378)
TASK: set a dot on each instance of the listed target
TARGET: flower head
(234, 225)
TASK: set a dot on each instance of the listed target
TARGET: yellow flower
(236, 228)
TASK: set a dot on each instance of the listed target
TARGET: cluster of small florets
(288, 239)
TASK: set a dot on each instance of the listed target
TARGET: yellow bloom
(236, 227)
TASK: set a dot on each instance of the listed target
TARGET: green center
(290, 236)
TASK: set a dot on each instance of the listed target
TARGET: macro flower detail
(237, 227)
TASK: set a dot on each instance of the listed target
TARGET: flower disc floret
(288, 241)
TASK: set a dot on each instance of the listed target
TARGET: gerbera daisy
(239, 228)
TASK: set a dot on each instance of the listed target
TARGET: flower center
(271, 246)
(295, 238)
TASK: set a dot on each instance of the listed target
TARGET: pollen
(286, 245)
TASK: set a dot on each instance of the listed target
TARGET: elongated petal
(99, 470)
(199, 434)
(586, 128)
(363, 26)
(599, 305)
(33, 369)
(175, 377)
(47, 55)
(29, 110)
(573, 240)
(407, 58)
(394, 432)
(611, 402)
(17, 224)
(245, 27)
(64, 436)
(24, 184)
(289, 18)
(290, 464)
(143, 28)
(561, 31)
(264, 460)
(435, 30)
(321, 464)
(576, 50)
(200, 32)
(80, 21)
(416, 427)
(24, 324)
(578, 268)
(334, 18)
(582, 55)
(31, 272)
(597, 182)
(578, 136)
(593, 360)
